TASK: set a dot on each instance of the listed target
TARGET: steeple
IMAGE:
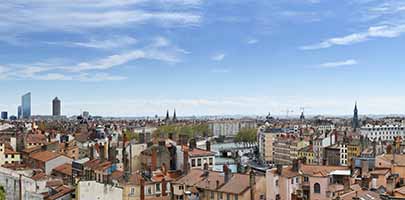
(174, 116)
(302, 117)
(355, 122)
(167, 116)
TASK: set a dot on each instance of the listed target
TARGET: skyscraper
(355, 122)
(19, 112)
(4, 115)
(56, 107)
(26, 105)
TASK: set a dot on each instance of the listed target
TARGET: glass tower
(26, 105)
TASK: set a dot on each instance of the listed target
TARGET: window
(228, 196)
(199, 162)
(212, 195)
(149, 190)
(132, 191)
(211, 161)
(181, 187)
(192, 162)
(220, 196)
(236, 196)
(306, 179)
(157, 187)
(276, 182)
(317, 188)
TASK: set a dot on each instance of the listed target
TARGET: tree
(246, 136)
(2, 193)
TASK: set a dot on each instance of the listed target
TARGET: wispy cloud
(339, 64)
(220, 70)
(252, 41)
(384, 31)
(21, 16)
(160, 50)
(110, 43)
(218, 57)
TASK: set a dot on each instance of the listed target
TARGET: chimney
(346, 184)
(185, 159)
(364, 168)
(193, 144)
(296, 165)
(208, 146)
(142, 189)
(279, 169)
(154, 159)
(391, 185)
(252, 183)
(217, 184)
(164, 187)
(227, 173)
(91, 152)
(101, 149)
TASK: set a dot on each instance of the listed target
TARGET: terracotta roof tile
(44, 156)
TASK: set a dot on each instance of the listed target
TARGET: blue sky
(141, 57)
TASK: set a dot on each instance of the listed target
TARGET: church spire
(167, 116)
(355, 122)
(174, 115)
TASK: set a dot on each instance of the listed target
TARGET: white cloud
(339, 64)
(161, 49)
(21, 16)
(218, 57)
(220, 70)
(384, 31)
(252, 41)
(111, 43)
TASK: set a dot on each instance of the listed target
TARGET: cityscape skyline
(204, 58)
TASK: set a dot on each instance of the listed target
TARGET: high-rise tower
(56, 110)
(26, 105)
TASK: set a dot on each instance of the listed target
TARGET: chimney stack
(154, 159)
(164, 187)
(142, 189)
(227, 173)
(185, 159)
(208, 146)
(91, 152)
(252, 182)
(101, 149)
(296, 165)
(193, 144)
(279, 169)
(346, 184)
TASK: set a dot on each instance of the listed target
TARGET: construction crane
(288, 111)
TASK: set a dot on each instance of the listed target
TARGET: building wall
(131, 192)
(383, 132)
(10, 180)
(89, 190)
(51, 164)
(324, 187)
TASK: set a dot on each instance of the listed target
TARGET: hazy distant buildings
(383, 132)
(26, 105)
(4, 115)
(230, 128)
(56, 107)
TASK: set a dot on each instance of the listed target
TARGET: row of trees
(246, 136)
(191, 130)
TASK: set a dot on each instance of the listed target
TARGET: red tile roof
(65, 169)
(44, 156)
(197, 152)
